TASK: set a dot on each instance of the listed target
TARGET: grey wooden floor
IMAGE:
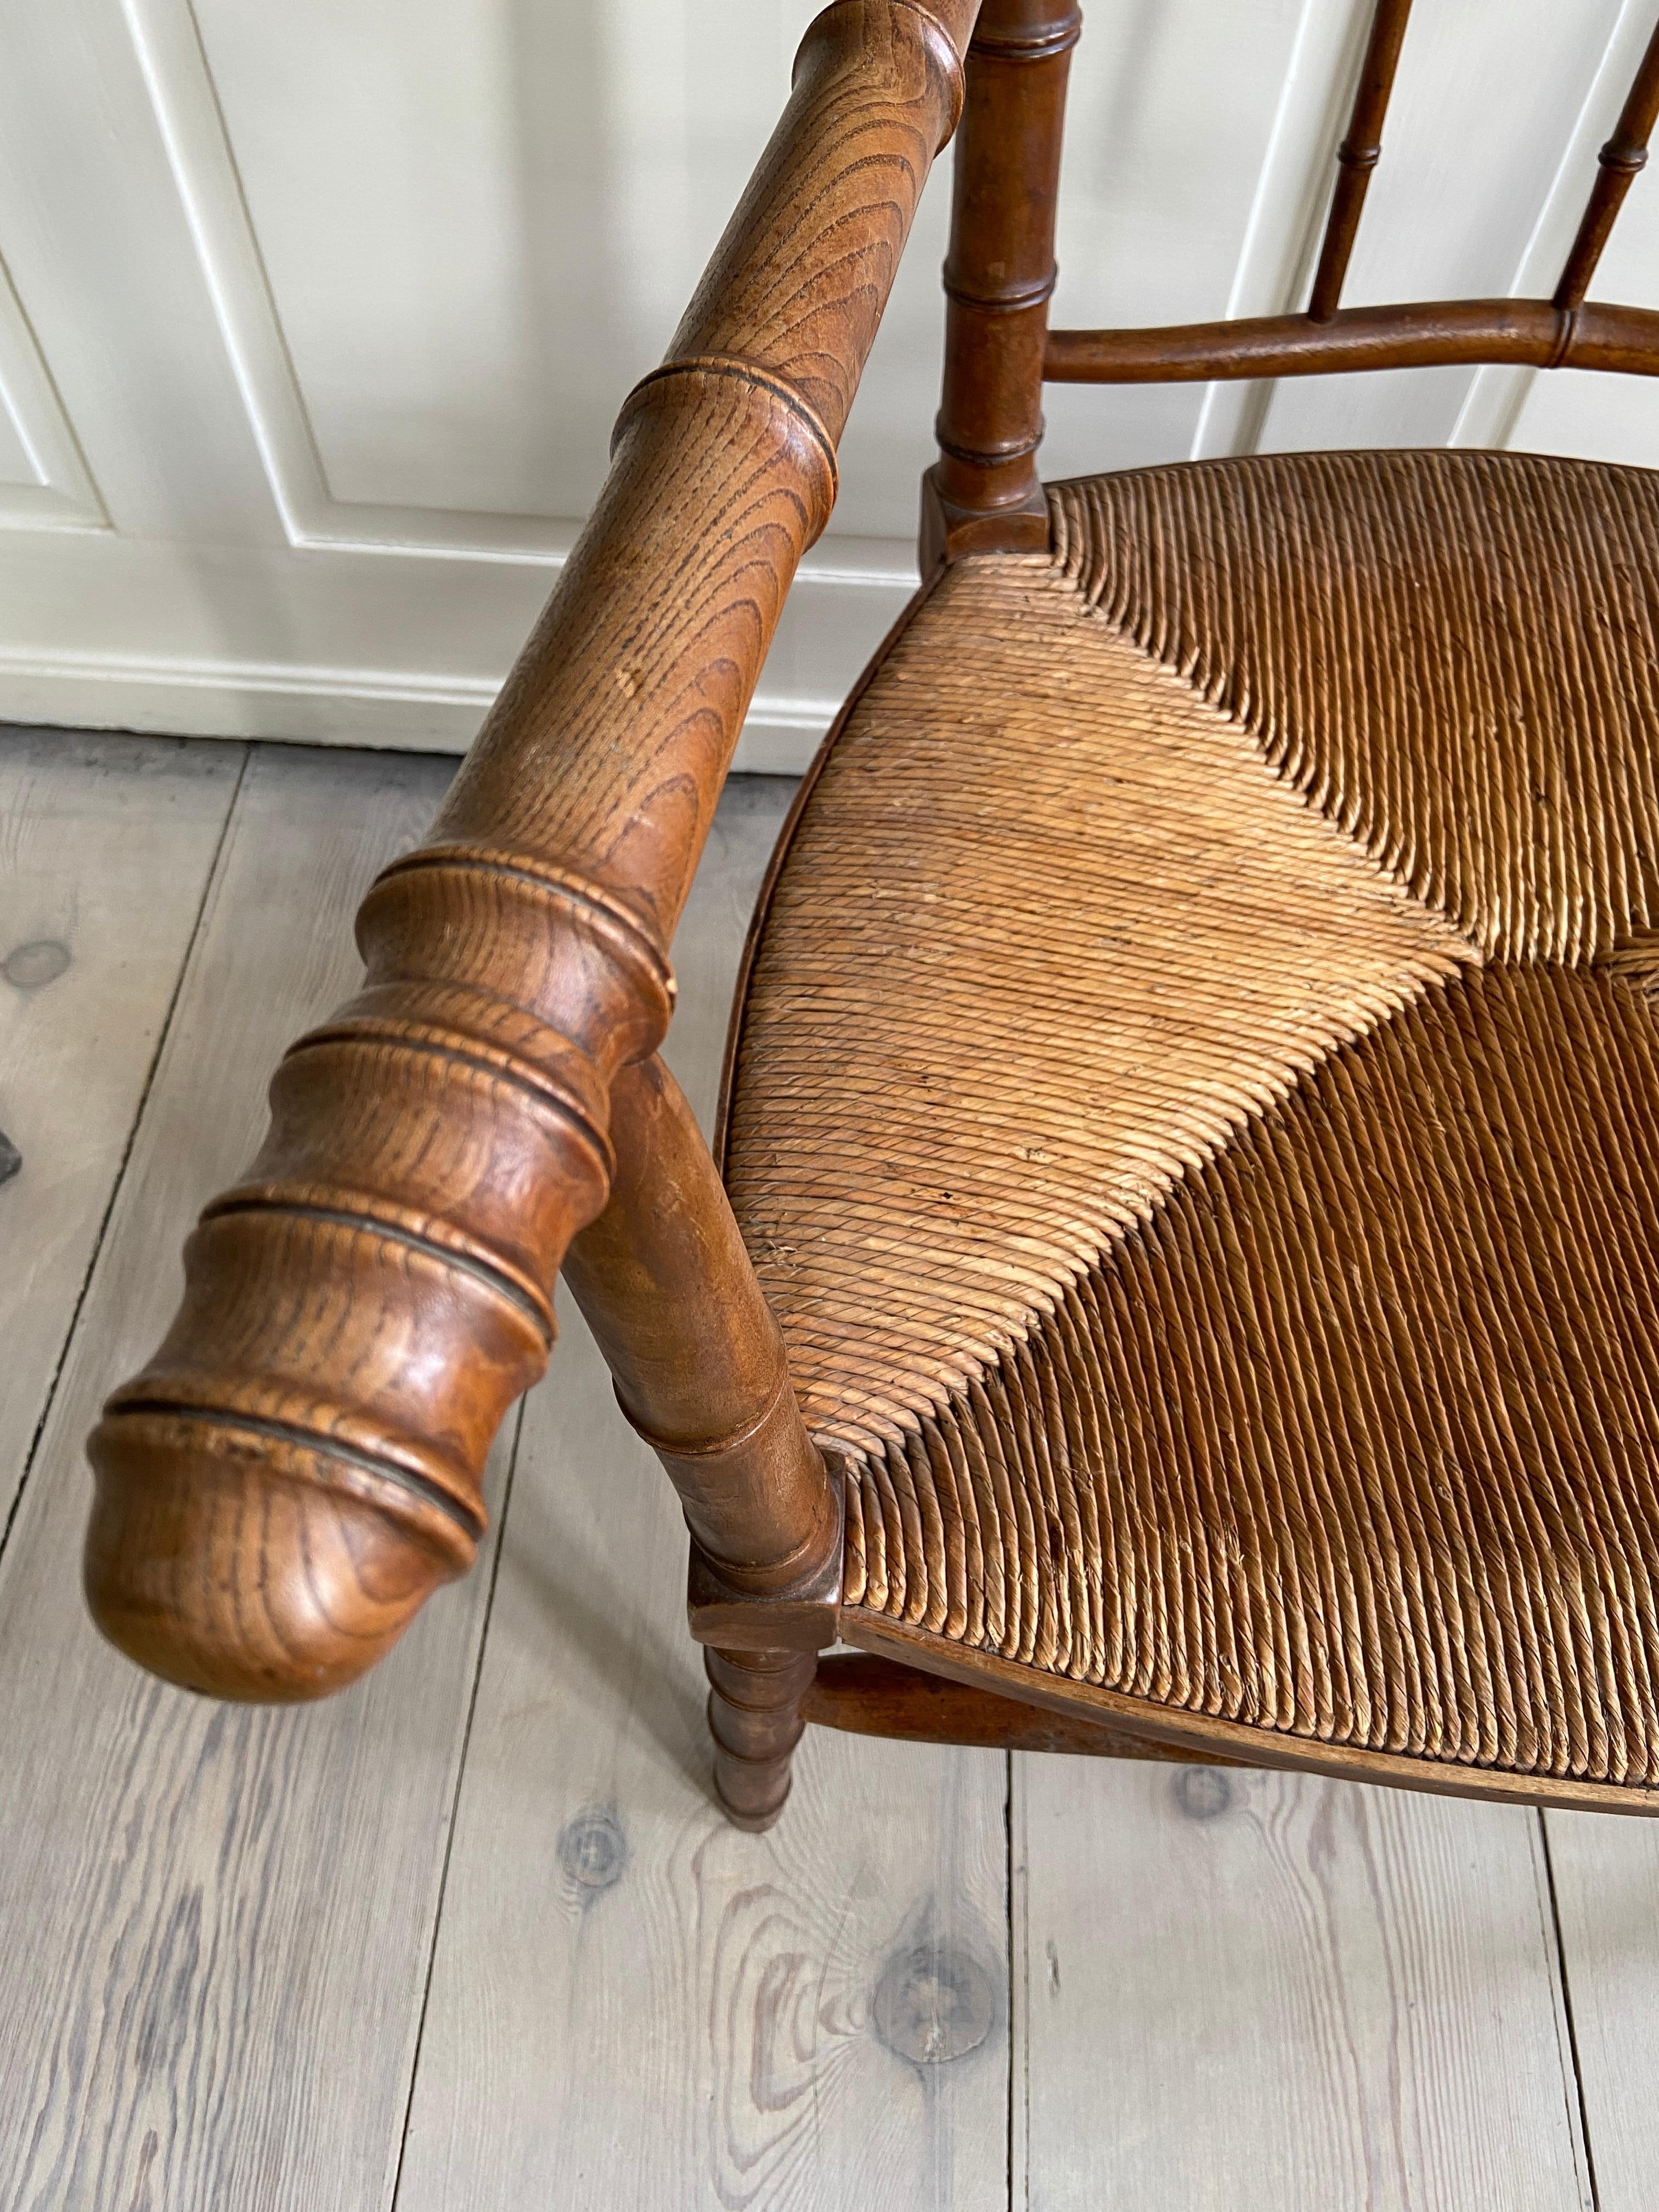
(472, 1935)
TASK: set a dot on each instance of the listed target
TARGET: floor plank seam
(1019, 1936)
(455, 1804)
(1008, 1846)
(118, 1180)
(1542, 1819)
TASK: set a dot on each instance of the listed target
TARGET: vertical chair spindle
(1620, 160)
(1358, 154)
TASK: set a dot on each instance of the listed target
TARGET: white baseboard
(407, 713)
(358, 649)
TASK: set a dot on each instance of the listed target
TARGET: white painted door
(315, 316)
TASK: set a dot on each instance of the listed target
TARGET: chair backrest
(1000, 270)
(1564, 331)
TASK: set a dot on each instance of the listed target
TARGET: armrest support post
(667, 1288)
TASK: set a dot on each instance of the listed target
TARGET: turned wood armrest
(300, 1464)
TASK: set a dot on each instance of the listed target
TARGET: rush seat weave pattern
(1194, 1107)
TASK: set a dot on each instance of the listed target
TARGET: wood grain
(665, 1282)
(216, 1925)
(106, 848)
(1337, 1998)
(296, 1468)
(631, 2003)
(1274, 1988)
(666, 1286)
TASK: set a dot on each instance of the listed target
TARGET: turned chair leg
(755, 1718)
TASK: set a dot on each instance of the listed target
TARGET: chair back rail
(1564, 331)
(1431, 334)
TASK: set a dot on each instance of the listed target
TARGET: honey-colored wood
(297, 1468)
(667, 1289)
(755, 1718)
(983, 496)
(633, 2004)
(629, 2004)
(1208, 1741)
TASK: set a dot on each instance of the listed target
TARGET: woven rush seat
(1192, 1109)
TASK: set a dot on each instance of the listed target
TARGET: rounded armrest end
(252, 1567)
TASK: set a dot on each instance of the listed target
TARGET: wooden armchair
(1182, 1273)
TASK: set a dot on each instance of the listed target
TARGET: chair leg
(755, 1718)
(671, 1295)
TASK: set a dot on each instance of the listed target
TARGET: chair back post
(983, 495)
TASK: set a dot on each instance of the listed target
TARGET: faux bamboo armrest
(300, 1464)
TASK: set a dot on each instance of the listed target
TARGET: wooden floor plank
(1257, 1989)
(1606, 1891)
(633, 2004)
(106, 847)
(215, 1923)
